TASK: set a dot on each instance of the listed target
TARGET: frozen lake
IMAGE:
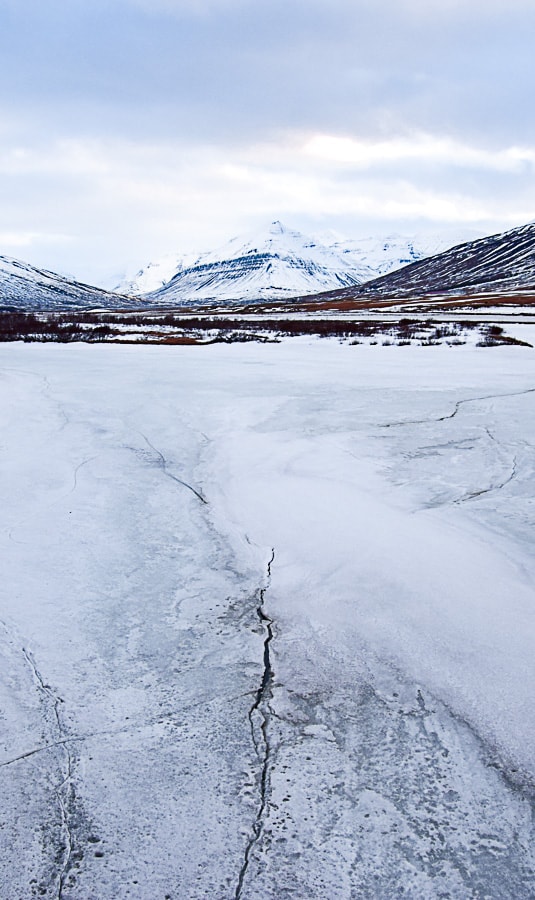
(267, 622)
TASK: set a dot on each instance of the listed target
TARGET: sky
(134, 128)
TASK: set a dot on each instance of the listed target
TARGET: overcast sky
(131, 128)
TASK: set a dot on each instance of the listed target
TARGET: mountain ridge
(25, 287)
(276, 264)
(276, 267)
(502, 261)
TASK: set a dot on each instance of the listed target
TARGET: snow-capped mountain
(499, 262)
(155, 275)
(270, 265)
(275, 264)
(387, 254)
(278, 263)
(22, 286)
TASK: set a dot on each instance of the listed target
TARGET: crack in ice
(18, 524)
(162, 463)
(456, 409)
(168, 719)
(77, 469)
(65, 786)
(473, 495)
(262, 744)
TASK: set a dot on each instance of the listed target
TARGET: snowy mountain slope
(275, 264)
(500, 261)
(154, 275)
(387, 254)
(268, 265)
(25, 287)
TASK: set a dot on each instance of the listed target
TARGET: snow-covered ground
(267, 622)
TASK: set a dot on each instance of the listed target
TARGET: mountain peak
(276, 262)
(504, 261)
(23, 286)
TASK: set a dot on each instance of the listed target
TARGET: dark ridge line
(44, 748)
(261, 705)
(162, 463)
(456, 409)
(126, 729)
(493, 487)
(63, 803)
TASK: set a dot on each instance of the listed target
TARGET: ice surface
(161, 507)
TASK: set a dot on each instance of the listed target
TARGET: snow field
(391, 734)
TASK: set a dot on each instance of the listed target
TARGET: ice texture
(267, 621)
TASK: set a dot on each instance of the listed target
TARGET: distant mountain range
(284, 264)
(503, 261)
(500, 262)
(24, 287)
(273, 265)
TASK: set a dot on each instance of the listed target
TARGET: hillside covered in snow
(275, 264)
(25, 287)
(504, 261)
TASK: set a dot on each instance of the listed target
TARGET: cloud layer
(128, 128)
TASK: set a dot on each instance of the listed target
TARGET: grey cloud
(230, 74)
(246, 68)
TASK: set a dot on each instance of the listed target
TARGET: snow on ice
(267, 621)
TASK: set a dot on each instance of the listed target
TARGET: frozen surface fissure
(64, 802)
(496, 486)
(261, 706)
(64, 790)
(168, 718)
(163, 465)
(44, 749)
(21, 522)
(53, 699)
(473, 495)
(80, 466)
(457, 407)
